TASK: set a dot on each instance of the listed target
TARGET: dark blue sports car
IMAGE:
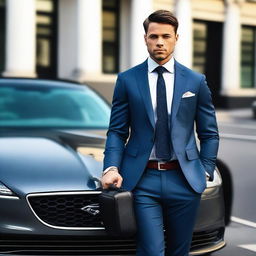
(50, 163)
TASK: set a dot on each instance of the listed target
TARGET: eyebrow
(166, 34)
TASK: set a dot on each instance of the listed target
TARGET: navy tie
(162, 136)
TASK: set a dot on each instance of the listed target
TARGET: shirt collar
(168, 65)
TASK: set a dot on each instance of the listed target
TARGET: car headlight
(6, 192)
(217, 181)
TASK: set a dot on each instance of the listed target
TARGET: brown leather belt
(163, 166)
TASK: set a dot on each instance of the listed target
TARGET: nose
(160, 42)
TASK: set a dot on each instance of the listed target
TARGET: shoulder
(187, 71)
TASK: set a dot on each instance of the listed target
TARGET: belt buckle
(159, 165)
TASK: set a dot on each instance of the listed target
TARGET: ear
(145, 39)
(177, 37)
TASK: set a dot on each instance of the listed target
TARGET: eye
(167, 36)
(153, 36)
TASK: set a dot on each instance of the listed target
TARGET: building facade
(92, 40)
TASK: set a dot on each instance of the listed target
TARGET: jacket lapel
(180, 81)
(142, 82)
(180, 84)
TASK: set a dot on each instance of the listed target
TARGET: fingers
(111, 178)
(119, 183)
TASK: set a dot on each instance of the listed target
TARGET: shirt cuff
(112, 168)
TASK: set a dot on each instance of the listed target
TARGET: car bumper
(22, 233)
(210, 225)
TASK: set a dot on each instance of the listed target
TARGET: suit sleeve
(118, 131)
(206, 127)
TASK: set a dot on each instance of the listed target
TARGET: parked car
(50, 161)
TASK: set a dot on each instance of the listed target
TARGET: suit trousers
(164, 203)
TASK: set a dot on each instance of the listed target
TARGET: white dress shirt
(169, 84)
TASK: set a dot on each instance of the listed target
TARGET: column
(80, 39)
(184, 46)
(20, 38)
(231, 48)
(125, 37)
(139, 12)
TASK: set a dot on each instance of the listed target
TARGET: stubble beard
(161, 58)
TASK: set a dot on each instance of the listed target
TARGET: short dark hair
(161, 16)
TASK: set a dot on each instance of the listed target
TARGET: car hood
(30, 164)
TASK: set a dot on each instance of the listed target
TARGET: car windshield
(52, 107)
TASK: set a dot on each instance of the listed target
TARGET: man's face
(160, 40)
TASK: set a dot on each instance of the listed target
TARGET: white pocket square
(188, 94)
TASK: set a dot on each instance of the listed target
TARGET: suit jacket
(131, 133)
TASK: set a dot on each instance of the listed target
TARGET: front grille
(100, 246)
(207, 239)
(64, 210)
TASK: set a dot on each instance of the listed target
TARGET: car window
(28, 106)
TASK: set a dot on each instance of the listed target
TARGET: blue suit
(130, 137)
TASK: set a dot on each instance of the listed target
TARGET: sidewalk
(235, 115)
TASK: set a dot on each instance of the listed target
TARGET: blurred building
(92, 40)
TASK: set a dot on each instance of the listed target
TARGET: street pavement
(238, 151)
(241, 241)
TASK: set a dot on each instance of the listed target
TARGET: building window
(110, 21)
(199, 46)
(46, 37)
(207, 44)
(2, 36)
(248, 78)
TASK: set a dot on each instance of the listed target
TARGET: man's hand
(111, 177)
(208, 176)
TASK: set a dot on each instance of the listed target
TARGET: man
(151, 146)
